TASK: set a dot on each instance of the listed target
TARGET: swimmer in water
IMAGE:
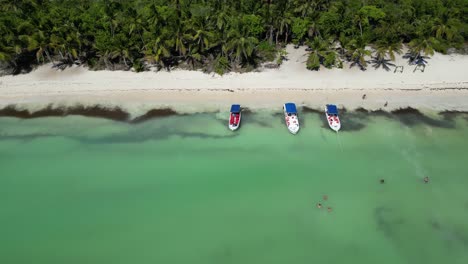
(329, 209)
(325, 197)
(319, 206)
(426, 179)
(382, 181)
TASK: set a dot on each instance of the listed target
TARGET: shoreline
(137, 103)
(443, 86)
(408, 116)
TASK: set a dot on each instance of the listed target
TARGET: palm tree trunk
(112, 29)
(271, 34)
(48, 56)
(179, 13)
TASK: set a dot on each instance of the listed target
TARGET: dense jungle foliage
(224, 35)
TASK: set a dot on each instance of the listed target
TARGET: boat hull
(292, 122)
(333, 122)
(233, 126)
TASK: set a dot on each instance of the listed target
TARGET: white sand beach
(442, 86)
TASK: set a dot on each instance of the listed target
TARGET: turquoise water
(184, 189)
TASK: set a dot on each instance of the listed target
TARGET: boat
(331, 112)
(290, 116)
(235, 117)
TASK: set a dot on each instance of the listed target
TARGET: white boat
(235, 117)
(290, 116)
(331, 112)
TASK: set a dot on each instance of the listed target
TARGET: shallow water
(184, 189)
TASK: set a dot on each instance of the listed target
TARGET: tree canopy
(222, 35)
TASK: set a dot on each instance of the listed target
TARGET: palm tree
(393, 48)
(39, 43)
(9, 6)
(156, 51)
(5, 54)
(305, 7)
(383, 50)
(344, 42)
(446, 30)
(380, 60)
(418, 47)
(221, 65)
(269, 21)
(283, 24)
(241, 48)
(136, 24)
(180, 41)
(356, 53)
(193, 56)
(203, 38)
(361, 19)
(321, 53)
(358, 58)
(222, 19)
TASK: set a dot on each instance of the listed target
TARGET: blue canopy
(332, 110)
(235, 108)
(290, 108)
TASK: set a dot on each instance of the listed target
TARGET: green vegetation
(221, 35)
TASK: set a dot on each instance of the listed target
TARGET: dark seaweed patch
(25, 137)
(11, 111)
(449, 234)
(361, 110)
(116, 113)
(158, 134)
(115, 139)
(407, 110)
(155, 113)
(222, 255)
(451, 115)
(381, 113)
(306, 109)
(384, 221)
(435, 225)
(246, 110)
(261, 123)
(351, 125)
(380, 215)
(412, 117)
(351, 121)
(249, 117)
